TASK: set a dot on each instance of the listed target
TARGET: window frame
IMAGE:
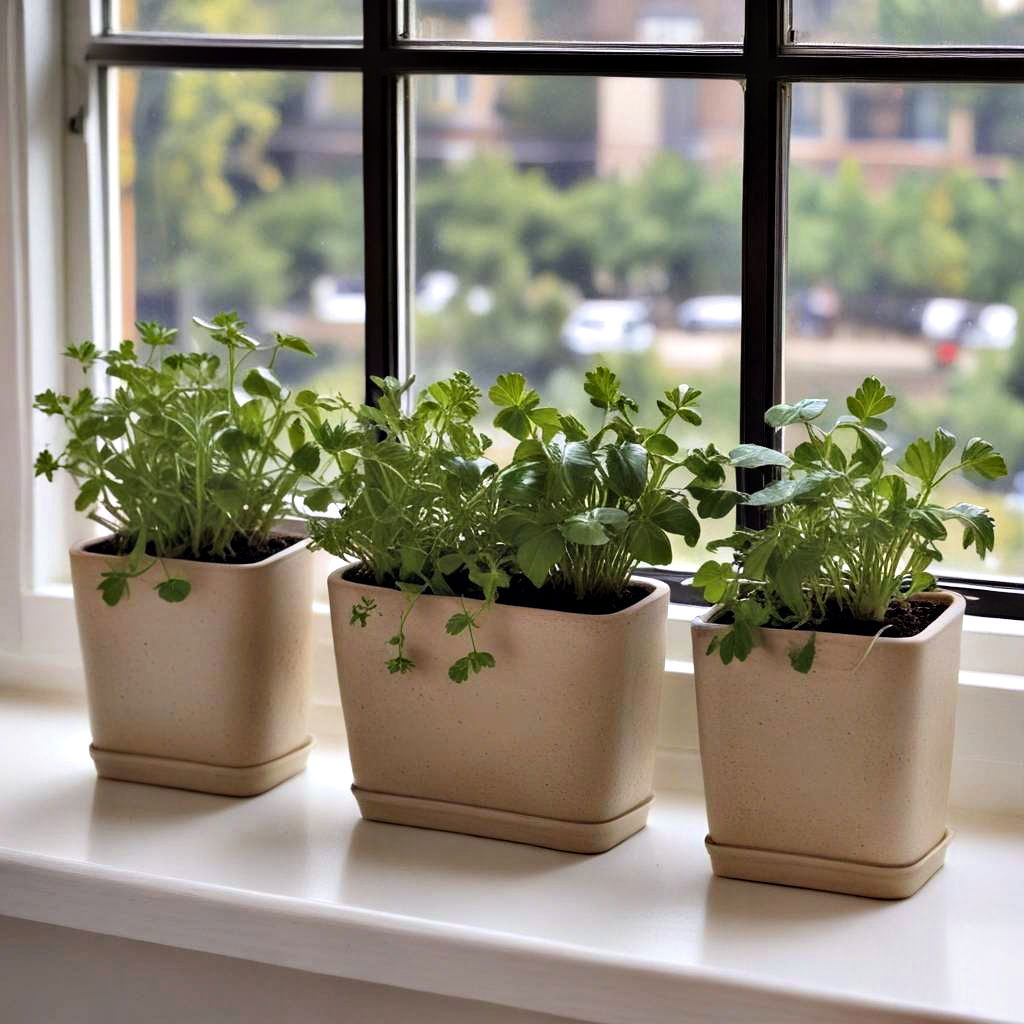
(766, 65)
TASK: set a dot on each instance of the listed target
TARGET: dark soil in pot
(521, 593)
(903, 620)
(242, 553)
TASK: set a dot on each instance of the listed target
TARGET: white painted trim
(425, 956)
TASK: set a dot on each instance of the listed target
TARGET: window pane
(678, 22)
(905, 246)
(910, 22)
(562, 223)
(243, 191)
(240, 17)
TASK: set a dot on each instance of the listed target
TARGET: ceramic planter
(210, 694)
(837, 779)
(554, 746)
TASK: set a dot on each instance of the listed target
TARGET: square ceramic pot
(837, 779)
(554, 746)
(211, 693)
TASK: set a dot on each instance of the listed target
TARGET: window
(561, 181)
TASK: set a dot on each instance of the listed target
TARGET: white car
(608, 325)
(994, 327)
(338, 300)
(710, 313)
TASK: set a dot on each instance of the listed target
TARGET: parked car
(338, 300)
(994, 327)
(710, 313)
(608, 325)
(436, 289)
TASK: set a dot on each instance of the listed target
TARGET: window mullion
(381, 194)
(765, 153)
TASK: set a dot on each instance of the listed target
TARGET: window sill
(644, 932)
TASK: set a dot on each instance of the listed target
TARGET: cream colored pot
(837, 779)
(554, 746)
(211, 693)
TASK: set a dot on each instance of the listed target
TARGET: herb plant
(583, 509)
(416, 505)
(192, 455)
(853, 532)
(424, 509)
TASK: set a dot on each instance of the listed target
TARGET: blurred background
(560, 222)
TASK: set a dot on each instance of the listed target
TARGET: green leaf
(585, 529)
(869, 402)
(713, 504)
(661, 444)
(523, 482)
(539, 553)
(792, 571)
(509, 390)
(290, 341)
(261, 383)
(306, 399)
(319, 499)
(627, 469)
(980, 457)
(920, 582)
(233, 442)
(296, 434)
(113, 586)
(753, 456)
(674, 516)
(979, 526)
(804, 411)
(459, 622)
(708, 467)
(88, 495)
(714, 579)
(173, 590)
(459, 670)
(514, 421)
(782, 491)
(757, 557)
(306, 458)
(572, 428)
(602, 386)
(802, 658)
(450, 562)
(924, 460)
(578, 467)
(46, 465)
(648, 543)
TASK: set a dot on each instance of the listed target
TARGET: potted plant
(517, 580)
(193, 609)
(827, 671)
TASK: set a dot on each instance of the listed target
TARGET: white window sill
(644, 932)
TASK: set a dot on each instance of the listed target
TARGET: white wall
(63, 976)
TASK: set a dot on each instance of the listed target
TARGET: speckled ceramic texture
(216, 686)
(850, 762)
(562, 729)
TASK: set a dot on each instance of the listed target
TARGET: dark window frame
(766, 64)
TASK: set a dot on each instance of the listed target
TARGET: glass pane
(563, 223)
(905, 246)
(678, 22)
(240, 17)
(243, 191)
(910, 22)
